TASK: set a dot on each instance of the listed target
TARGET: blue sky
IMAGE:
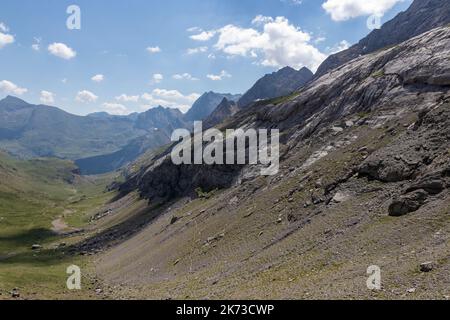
(148, 52)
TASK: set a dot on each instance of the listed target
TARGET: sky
(129, 56)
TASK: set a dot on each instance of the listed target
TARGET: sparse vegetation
(378, 74)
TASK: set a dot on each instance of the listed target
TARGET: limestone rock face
(393, 82)
(277, 84)
(422, 16)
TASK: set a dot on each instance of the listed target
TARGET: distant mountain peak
(224, 110)
(207, 103)
(13, 101)
(277, 84)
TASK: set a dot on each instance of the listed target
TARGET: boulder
(426, 266)
(430, 185)
(408, 203)
(340, 197)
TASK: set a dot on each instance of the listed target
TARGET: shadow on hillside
(29, 237)
(41, 258)
(120, 232)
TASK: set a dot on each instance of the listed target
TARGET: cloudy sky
(133, 55)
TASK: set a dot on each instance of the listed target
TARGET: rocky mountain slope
(206, 104)
(223, 111)
(422, 15)
(277, 84)
(364, 181)
(158, 123)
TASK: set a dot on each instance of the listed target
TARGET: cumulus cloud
(184, 76)
(5, 38)
(47, 97)
(62, 51)
(9, 87)
(203, 36)
(276, 43)
(170, 99)
(115, 108)
(342, 10)
(197, 50)
(157, 78)
(260, 19)
(153, 50)
(98, 78)
(85, 96)
(127, 98)
(218, 77)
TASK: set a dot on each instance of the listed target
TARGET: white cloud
(47, 97)
(203, 36)
(341, 46)
(278, 44)
(61, 50)
(153, 50)
(293, 2)
(85, 96)
(319, 39)
(115, 109)
(3, 27)
(218, 77)
(127, 98)
(197, 50)
(98, 78)
(194, 29)
(5, 38)
(11, 88)
(260, 19)
(170, 99)
(157, 78)
(184, 76)
(342, 10)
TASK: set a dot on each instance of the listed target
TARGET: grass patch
(277, 100)
(33, 194)
(378, 74)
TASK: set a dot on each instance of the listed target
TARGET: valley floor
(44, 209)
(269, 238)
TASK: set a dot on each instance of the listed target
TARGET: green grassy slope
(32, 195)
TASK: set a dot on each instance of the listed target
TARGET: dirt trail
(59, 225)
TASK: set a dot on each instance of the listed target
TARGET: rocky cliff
(422, 16)
(277, 84)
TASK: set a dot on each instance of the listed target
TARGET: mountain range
(100, 142)
(364, 180)
(363, 184)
